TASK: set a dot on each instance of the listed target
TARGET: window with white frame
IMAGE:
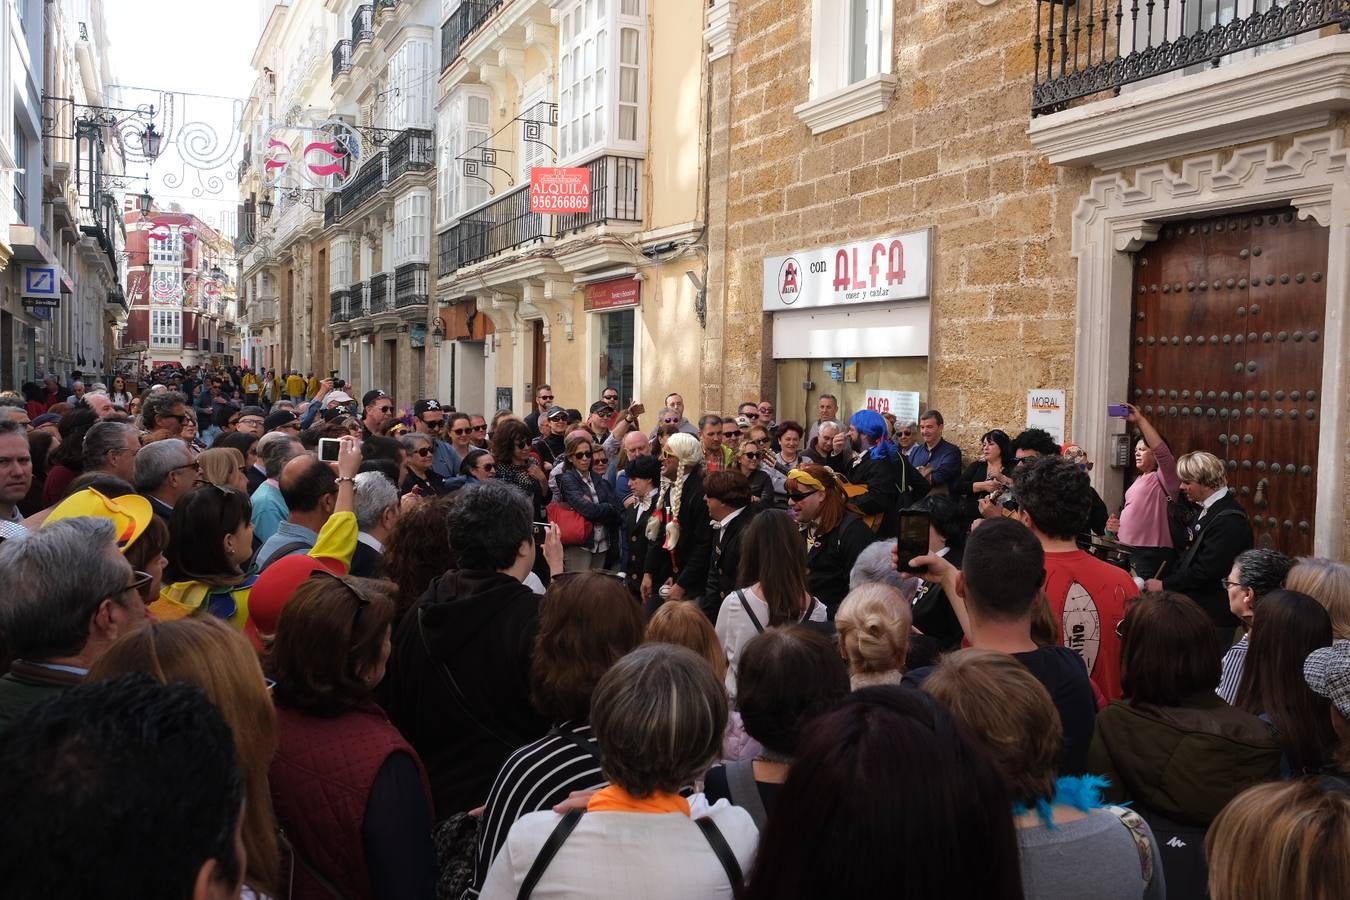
(412, 227)
(533, 153)
(168, 251)
(166, 327)
(602, 94)
(411, 83)
(166, 286)
(466, 124)
(852, 51)
(340, 262)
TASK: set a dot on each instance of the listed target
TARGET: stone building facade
(1046, 181)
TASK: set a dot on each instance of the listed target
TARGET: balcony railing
(507, 223)
(463, 22)
(332, 209)
(1094, 46)
(363, 24)
(410, 285)
(342, 58)
(368, 181)
(381, 5)
(412, 151)
(380, 299)
(339, 307)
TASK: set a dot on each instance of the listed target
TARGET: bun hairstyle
(873, 624)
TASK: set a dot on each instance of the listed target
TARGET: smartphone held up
(912, 540)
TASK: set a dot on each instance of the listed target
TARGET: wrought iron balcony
(507, 223)
(410, 285)
(342, 58)
(332, 207)
(368, 181)
(339, 307)
(381, 5)
(363, 24)
(380, 298)
(463, 22)
(1092, 46)
(412, 151)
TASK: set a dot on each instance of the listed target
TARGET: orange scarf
(616, 799)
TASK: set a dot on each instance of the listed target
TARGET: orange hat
(277, 585)
(130, 514)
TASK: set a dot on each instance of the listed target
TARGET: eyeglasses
(610, 398)
(545, 397)
(521, 445)
(799, 496)
(424, 451)
(140, 583)
(249, 421)
(751, 455)
(1229, 585)
(384, 409)
(434, 426)
(480, 428)
(670, 421)
(192, 465)
(582, 454)
(487, 467)
(181, 417)
(461, 431)
(904, 433)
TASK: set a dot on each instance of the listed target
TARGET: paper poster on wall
(1045, 410)
(904, 405)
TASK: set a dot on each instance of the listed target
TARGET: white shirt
(721, 525)
(625, 855)
(735, 630)
(1211, 500)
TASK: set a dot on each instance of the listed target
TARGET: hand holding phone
(329, 449)
(1118, 410)
(911, 540)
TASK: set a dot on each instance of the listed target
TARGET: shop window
(851, 60)
(614, 351)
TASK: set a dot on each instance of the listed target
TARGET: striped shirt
(534, 778)
(1232, 671)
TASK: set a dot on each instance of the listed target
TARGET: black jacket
(892, 484)
(254, 478)
(481, 627)
(367, 562)
(725, 561)
(831, 560)
(1217, 538)
(549, 448)
(694, 548)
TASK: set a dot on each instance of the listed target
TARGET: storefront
(613, 307)
(850, 320)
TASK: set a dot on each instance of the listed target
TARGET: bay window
(603, 71)
(465, 124)
(412, 227)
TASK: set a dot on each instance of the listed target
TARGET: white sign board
(41, 282)
(877, 271)
(904, 405)
(1045, 409)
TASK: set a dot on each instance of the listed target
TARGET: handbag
(573, 527)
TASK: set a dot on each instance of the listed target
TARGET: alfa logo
(789, 288)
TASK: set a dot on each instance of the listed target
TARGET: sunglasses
(487, 467)
(423, 451)
(670, 421)
(545, 397)
(610, 398)
(727, 434)
(480, 428)
(433, 426)
(905, 433)
(752, 455)
(799, 496)
(521, 445)
(582, 454)
(181, 417)
(384, 409)
(140, 583)
(461, 431)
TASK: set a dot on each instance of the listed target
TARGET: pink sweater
(1143, 521)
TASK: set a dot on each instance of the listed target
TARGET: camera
(338, 383)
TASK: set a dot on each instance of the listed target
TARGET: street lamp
(145, 201)
(437, 331)
(265, 208)
(150, 142)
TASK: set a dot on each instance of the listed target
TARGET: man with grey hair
(163, 414)
(164, 471)
(100, 403)
(275, 449)
(111, 447)
(875, 565)
(78, 387)
(69, 595)
(13, 410)
(377, 509)
(823, 449)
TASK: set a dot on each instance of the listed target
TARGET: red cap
(277, 585)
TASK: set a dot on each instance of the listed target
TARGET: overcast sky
(189, 47)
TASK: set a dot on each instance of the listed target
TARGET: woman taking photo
(516, 465)
(658, 716)
(593, 498)
(223, 466)
(1142, 523)
(773, 564)
(1288, 627)
(419, 455)
(991, 473)
(750, 463)
(587, 622)
(372, 836)
(834, 534)
(210, 655)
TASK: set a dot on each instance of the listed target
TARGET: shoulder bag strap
(329, 888)
(724, 855)
(588, 747)
(548, 851)
(745, 605)
(744, 792)
(284, 551)
(454, 685)
(810, 608)
(1139, 831)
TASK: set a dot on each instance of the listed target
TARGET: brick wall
(949, 152)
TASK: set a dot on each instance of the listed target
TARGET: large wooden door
(1227, 356)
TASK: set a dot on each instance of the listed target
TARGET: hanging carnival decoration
(327, 150)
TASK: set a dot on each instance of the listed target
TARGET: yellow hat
(130, 514)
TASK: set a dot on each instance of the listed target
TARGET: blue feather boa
(1082, 792)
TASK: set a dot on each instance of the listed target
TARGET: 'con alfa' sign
(876, 271)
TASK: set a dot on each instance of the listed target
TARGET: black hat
(372, 396)
(555, 412)
(278, 418)
(601, 406)
(423, 406)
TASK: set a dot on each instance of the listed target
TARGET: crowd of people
(263, 639)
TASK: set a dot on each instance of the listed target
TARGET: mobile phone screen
(912, 539)
(329, 449)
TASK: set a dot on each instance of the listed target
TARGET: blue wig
(870, 423)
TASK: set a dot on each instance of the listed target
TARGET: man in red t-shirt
(1087, 596)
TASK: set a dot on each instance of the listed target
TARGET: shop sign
(42, 281)
(417, 335)
(617, 294)
(876, 271)
(560, 190)
(904, 405)
(41, 302)
(1045, 409)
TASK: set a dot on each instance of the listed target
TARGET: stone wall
(950, 152)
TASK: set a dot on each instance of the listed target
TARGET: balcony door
(1226, 356)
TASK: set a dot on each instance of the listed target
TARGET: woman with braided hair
(680, 530)
(835, 533)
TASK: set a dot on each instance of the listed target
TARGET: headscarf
(687, 449)
(870, 423)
